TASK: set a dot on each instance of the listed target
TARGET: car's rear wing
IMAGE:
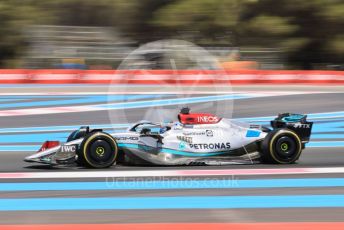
(296, 122)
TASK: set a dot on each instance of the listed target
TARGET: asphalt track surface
(320, 100)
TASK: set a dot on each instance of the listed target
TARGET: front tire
(98, 150)
(281, 146)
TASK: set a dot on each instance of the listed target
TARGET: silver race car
(195, 139)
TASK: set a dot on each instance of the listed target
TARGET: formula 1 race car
(195, 139)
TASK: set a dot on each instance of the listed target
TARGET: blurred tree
(310, 32)
(131, 17)
(313, 37)
(15, 15)
(210, 21)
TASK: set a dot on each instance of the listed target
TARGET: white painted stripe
(316, 77)
(177, 77)
(185, 92)
(181, 92)
(103, 77)
(50, 110)
(144, 76)
(168, 173)
(101, 107)
(280, 77)
(54, 76)
(11, 76)
(241, 77)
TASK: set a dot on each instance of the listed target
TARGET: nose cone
(31, 158)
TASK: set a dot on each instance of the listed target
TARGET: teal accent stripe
(175, 152)
(18, 148)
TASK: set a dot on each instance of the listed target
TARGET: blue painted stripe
(41, 137)
(315, 144)
(167, 184)
(106, 101)
(323, 127)
(312, 116)
(333, 125)
(189, 202)
(57, 100)
(4, 99)
(61, 128)
(19, 148)
(167, 102)
(327, 135)
(76, 99)
(37, 137)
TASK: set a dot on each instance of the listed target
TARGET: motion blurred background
(71, 63)
(243, 34)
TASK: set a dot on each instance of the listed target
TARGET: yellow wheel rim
(273, 141)
(100, 151)
(284, 146)
(90, 139)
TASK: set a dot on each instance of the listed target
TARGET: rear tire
(98, 150)
(281, 146)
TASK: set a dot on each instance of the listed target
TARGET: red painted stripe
(187, 77)
(186, 226)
